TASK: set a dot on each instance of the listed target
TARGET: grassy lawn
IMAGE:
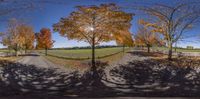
(79, 64)
(83, 53)
(178, 49)
(4, 50)
(12, 58)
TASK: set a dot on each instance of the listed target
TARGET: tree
(147, 38)
(94, 24)
(1, 37)
(172, 21)
(190, 47)
(28, 37)
(124, 39)
(44, 39)
(12, 38)
(18, 36)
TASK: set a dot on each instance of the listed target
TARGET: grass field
(178, 49)
(83, 53)
(4, 50)
(78, 64)
(10, 58)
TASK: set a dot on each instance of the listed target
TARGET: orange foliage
(95, 24)
(27, 36)
(18, 36)
(146, 37)
(124, 38)
(44, 39)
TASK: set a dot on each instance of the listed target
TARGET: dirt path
(128, 57)
(38, 61)
(41, 62)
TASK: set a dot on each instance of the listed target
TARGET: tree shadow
(138, 78)
(29, 80)
(30, 54)
(146, 54)
(17, 79)
(153, 78)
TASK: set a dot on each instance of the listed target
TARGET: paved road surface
(18, 97)
(41, 62)
(37, 60)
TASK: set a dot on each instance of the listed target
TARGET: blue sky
(48, 14)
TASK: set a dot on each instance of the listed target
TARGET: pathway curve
(41, 62)
(37, 60)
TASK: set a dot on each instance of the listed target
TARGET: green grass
(83, 53)
(4, 50)
(80, 53)
(178, 49)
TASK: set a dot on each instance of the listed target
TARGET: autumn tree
(124, 39)
(94, 24)
(28, 36)
(13, 38)
(173, 21)
(146, 37)
(1, 37)
(44, 39)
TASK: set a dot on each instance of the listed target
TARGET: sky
(48, 14)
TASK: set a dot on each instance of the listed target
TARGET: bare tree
(172, 21)
(12, 38)
(145, 37)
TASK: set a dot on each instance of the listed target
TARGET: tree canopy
(100, 23)
(95, 24)
(172, 21)
(44, 39)
(18, 36)
(145, 36)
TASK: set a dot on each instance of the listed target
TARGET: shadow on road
(20, 79)
(147, 78)
(144, 54)
(153, 78)
(30, 54)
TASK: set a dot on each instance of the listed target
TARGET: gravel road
(18, 97)
(41, 62)
(37, 60)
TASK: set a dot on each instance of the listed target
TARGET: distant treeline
(85, 47)
(187, 47)
(3, 48)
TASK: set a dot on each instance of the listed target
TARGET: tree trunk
(123, 48)
(170, 51)
(148, 48)
(25, 50)
(95, 75)
(16, 51)
(175, 47)
(10, 53)
(93, 57)
(46, 51)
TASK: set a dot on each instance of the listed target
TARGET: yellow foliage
(95, 24)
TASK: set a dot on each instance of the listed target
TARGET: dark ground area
(149, 78)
